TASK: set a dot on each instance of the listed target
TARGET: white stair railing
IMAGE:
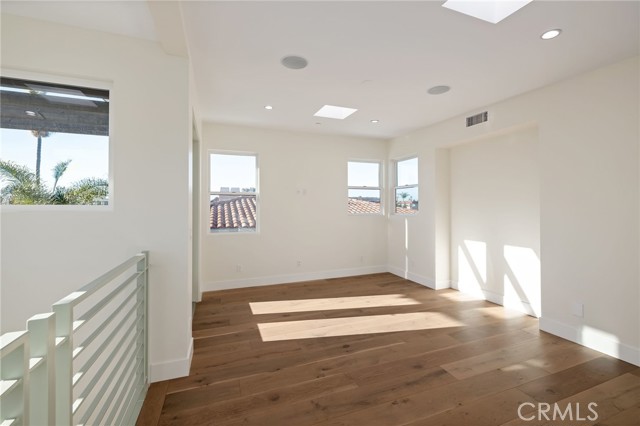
(85, 363)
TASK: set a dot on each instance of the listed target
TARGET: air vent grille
(477, 119)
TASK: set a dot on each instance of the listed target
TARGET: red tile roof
(233, 213)
(240, 212)
(357, 206)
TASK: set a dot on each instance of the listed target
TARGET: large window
(233, 202)
(55, 143)
(406, 186)
(364, 189)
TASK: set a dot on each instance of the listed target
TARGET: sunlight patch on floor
(332, 303)
(458, 296)
(500, 312)
(350, 326)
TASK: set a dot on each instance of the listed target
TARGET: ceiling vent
(477, 119)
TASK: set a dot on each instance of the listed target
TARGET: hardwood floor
(379, 350)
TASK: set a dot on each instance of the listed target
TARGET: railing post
(64, 362)
(143, 281)
(15, 367)
(42, 379)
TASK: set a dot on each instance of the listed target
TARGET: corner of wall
(171, 369)
(442, 218)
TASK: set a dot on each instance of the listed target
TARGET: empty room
(280, 213)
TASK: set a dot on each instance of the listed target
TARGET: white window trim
(209, 193)
(81, 82)
(396, 187)
(380, 188)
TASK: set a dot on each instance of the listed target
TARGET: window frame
(397, 187)
(256, 194)
(113, 102)
(379, 188)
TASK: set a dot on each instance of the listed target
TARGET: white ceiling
(130, 18)
(377, 56)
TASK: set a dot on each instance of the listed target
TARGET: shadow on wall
(607, 343)
(519, 268)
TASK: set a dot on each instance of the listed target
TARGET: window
(406, 188)
(233, 202)
(364, 189)
(55, 143)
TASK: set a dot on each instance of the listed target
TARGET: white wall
(303, 211)
(48, 252)
(589, 192)
(589, 200)
(495, 219)
(409, 255)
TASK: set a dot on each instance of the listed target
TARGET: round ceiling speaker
(438, 90)
(294, 62)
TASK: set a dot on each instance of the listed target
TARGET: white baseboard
(283, 279)
(603, 344)
(171, 369)
(521, 306)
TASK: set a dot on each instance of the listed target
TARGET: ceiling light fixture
(438, 90)
(337, 112)
(375, 121)
(548, 35)
(269, 107)
(294, 62)
(492, 11)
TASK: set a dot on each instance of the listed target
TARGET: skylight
(492, 11)
(330, 111)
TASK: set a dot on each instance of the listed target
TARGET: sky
(237, 171)
(89, 154)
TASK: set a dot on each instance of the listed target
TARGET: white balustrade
(85, 363)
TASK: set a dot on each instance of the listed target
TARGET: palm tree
(86, 191)
(23, 187)
(404, 196)
(58, 171)
(39, 134)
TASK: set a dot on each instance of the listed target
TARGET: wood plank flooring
(380, 350)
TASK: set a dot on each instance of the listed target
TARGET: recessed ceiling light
(548, 35)
(438, 90)
(294, 62)
(375, 121)
(268, 107)
(30, 113)
(492, 11)
(331, 111)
